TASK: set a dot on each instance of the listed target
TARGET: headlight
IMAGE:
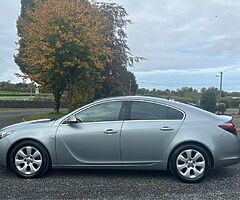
(5, 133)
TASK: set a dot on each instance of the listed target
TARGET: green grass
(236, 121)
(238, 127)
(15, 98)
(6, 109)
(9, 95)
(14, 93)
(43, 116)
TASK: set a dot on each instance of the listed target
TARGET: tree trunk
(72, 97)
(57, 104)
(57, 90)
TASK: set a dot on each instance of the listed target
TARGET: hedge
(230, 102)
(24, 95)
(28, 104)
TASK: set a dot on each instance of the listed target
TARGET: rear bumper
(228, 151)
(227, 162)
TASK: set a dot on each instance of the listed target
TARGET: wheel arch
(26, 139)
(192, 143)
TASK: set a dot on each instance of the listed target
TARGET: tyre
(29, 159)
(190, 163)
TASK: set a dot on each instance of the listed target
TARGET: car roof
(143, 98)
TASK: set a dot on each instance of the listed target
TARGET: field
(22, 96)
(12, 93)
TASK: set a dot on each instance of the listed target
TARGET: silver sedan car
(124, 133)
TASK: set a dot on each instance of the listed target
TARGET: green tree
(116, 78)
(26, 7)
(143, 92)
(17, 87)
(209, 99)
(222, 108)
(133, 86)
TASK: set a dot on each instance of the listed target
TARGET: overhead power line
(184, 84)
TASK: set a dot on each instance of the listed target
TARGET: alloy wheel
(191, 164)
(28, 160)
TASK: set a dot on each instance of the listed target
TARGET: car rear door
(148, 130)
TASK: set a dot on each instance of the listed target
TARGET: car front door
(147, 131)
(95, 140)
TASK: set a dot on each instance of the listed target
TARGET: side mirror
(72, 120)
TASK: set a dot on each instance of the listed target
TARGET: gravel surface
(115, 184)
(110, 184)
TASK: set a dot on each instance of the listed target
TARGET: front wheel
(190, 163)
(29, 159)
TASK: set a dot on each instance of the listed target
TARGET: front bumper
(4, 147)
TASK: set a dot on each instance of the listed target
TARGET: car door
(95, 140)
(147, 131)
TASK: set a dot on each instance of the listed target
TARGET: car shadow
(110, 173)
(64, 173)
(213, 176)
(226, 172)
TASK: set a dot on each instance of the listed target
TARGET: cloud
(9, 11)
(180, 34)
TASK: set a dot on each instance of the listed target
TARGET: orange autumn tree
(63, 47)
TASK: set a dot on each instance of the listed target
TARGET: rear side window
(174, 114)
(152, 111)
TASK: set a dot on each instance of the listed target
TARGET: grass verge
(43, 116)
(6, 109)
(238, 127)
(236, 121)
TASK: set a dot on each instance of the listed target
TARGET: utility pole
(221, 83)
(130, 87)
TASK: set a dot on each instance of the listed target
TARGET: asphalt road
(114, 184)
(12, 116)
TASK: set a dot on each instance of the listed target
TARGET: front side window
(152, 111)
(103, 112)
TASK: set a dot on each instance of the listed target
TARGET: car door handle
(166, 128)
(110, 132)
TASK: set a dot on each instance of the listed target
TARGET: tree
(26, 7)
(143, 92)
(16, 87)
(209, 99)
(222, 108)
(133, 86)
(63, 45)
(116, 78)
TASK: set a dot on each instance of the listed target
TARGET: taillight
(230, 127)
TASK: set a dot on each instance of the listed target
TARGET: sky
(187, 42)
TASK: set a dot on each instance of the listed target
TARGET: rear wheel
(29, 159)
(190, 163)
